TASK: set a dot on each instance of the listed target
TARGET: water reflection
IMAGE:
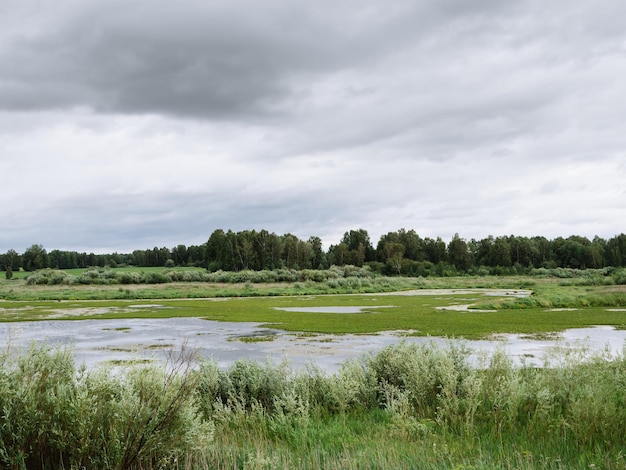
(100, 341)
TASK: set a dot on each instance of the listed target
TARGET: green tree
(217, 252)
(500, 253)
(481, 251)
(394, 256)
(458, 253)
(413, 244)
(291, 252)
(318, 260)
(435, 250)
(359, 247)
(338, 254)
(262, 244)
(179, 255)
(615, 251)
(10, 262)
(35, 258)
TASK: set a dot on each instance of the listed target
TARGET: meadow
(407, 406)
(555, 304)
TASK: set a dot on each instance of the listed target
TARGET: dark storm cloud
(202, 59)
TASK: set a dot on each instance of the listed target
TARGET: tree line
(402, 252)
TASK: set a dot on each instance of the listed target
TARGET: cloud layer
(126, 125)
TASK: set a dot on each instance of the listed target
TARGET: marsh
(119, 341)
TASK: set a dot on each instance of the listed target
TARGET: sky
(129, 124)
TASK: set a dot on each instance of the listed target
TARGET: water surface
(103, 341)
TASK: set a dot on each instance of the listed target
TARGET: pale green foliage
(54, 415)
(352, 387)
(427, 400)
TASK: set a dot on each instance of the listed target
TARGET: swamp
(460, 372)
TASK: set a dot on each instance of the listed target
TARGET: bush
(50, 277)
(157, 278)
(55, 416)
(619, 277)
(130, 278)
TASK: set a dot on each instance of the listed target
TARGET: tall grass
(409, 406)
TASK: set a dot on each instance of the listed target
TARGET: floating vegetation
(117, 349)
(161, 346)
(306, 334)
(254, 339)
(541, 336)
(325, 340)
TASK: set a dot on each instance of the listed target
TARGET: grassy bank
(552, 307)
(159, 283)
(406, 407)
(433, 314)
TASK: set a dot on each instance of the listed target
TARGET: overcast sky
(131, 124)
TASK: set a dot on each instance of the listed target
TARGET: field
(554, 305)
(405, 407)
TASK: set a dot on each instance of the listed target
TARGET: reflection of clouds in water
(100, 341)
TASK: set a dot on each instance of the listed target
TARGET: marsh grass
(424, 407)
(415, 315)
(129, 283)
(408, 406)
(254, 339)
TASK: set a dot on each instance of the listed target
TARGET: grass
(408, 406)
(254, 339)
(418, 314)
(17, 289)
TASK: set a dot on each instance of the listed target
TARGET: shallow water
(96, 342)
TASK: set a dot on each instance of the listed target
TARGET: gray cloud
(134, 124)
(199, 59)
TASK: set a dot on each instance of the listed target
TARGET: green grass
(18, 275)
(417, 314)
(254, 339)
(408, 406)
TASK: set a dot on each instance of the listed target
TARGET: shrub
(130, 277)
(55, 416)
(157, 278)
(619, 277)
(49, 277)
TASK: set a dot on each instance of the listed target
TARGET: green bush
(619, 276)
(157, 278)
(50, 277)
(55, 416)
(422, 398)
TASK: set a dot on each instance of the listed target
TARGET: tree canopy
(402, 252)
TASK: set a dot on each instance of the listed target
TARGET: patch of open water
(100, 341)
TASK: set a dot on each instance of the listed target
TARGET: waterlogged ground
(130, 340)
(137, 340)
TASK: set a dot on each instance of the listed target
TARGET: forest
(402, 252)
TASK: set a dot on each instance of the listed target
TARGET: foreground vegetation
(405, 407)
(408, 406)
